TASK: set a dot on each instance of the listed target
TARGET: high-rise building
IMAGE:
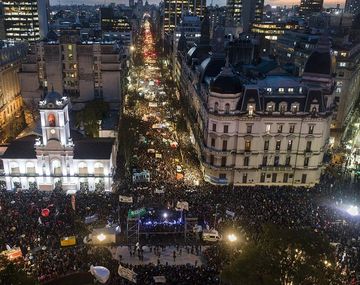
(26, 19)
(352, 7)
(2, 22)
(308, 7)
(174, 9)
(244, 12)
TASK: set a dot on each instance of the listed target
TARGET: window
(266, 145)
(264, 160)
(287, 161)
(226, 129)
(262, 178)
(227, 108)
(98, 168)
(282, 108)
(285, 179)
(280, 128)
(14, 168)
(278, 145)
(222, 176)
(268, 90)
(342, 64)
(244, 178)
(338, 90)
(51, 120)
(274, 176)
(224, 145)
(300, 90)
(308, 146)
(294, 108)
(246, 161)
(251, 110)
(306, 161)
(247, 145)
(216, 107)
(267, 128)
(303, 178)
(30, 168)
(311, 129)
(214, 127)
(291, 90)
(249, 129)
(211, 159)
(270, 107)
(281, 90)
(289, 146)
(83, 170)
(56, 167)
(292, 129)
(223, 161)
(276, 160)
(212, 142)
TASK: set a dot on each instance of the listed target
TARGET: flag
(182, 206)
(73, 200)
(125, 199)
(39, 221)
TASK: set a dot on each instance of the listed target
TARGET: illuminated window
(51, 120)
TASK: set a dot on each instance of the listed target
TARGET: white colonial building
(59, 157)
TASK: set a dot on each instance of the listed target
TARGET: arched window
(51, 120)
(14, 168)
(83, 170)
(227, 108)
(98, 168)
(283, 107)
(30, 168)
(56, 167)
(216, 107)
(16, 183)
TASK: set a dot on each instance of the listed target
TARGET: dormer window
(270, 107)
(300, 90)
(294, 108)
(251, 109)
(282, 108)
(268, 90)
(281, 90)
(227, 108)
(216, 107)
(291, 90)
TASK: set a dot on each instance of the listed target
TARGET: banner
(68, 241)
(136, 213)
(125, 199)
(127, 273)
(73, 202)
(182, 206)
(91, 219)
(159, 279)
(159, 191)
(229, 213)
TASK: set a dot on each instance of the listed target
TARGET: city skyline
(327, 3)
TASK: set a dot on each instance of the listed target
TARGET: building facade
(82, 71)
(352, 7)
(26, 20)
(10, 98)
(308, 7)
(268, 131)
(58, 157)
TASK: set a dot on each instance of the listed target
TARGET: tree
(89, 117)
(285, 256)
(12, 273)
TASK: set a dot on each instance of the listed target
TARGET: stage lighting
(165, 215)
(101, 237)
(353, 210)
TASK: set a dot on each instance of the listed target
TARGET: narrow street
(156, 143)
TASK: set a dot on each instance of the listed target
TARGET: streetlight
(132, 48)
(232, 237)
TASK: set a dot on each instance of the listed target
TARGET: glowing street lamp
(232, 238)
(132, 48)
(101, 237)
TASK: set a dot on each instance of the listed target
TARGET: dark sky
(220, 2)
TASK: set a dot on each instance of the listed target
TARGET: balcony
(276, 168)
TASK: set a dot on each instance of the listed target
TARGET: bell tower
(54, 114)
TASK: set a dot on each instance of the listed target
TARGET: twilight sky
(219, 2)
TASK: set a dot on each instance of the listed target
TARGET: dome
(211, 66)
(52, 98)
(226, 82)
(319, 62)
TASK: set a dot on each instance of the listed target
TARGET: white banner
(91, 219)
(159, 279)
(229, 213)
(127, 273)
(125, 199)
(182, 205)
(159, 191)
